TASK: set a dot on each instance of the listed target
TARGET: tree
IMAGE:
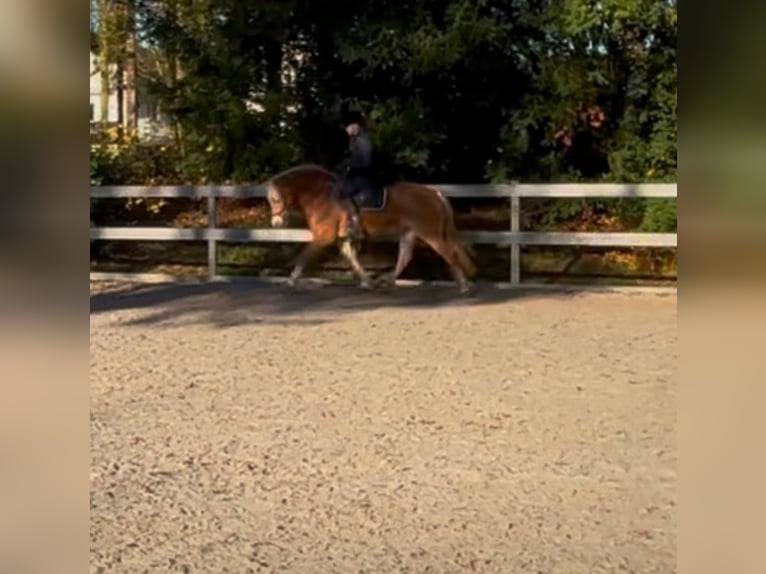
(462, 90)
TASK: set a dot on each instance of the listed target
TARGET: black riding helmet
(352, 117)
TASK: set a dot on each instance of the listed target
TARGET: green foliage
(660, 217)
(455, 90)
(121, 161)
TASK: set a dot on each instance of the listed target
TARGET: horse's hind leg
(349, 252)
(444, 249)
(406, 248)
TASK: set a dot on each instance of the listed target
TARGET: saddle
(371, 197)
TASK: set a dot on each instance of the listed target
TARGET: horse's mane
(303, 167)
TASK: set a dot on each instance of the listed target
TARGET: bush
(660, 217)
(125, 161)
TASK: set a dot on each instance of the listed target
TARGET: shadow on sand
(231, 304)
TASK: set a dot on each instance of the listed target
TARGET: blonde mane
(299, 168)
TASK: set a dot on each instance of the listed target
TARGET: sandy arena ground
(243, 428)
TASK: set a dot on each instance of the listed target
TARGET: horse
(403, 209)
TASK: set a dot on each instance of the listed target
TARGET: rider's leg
(354, 217)
(346, 199)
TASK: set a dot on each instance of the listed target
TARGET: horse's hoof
(368, 285)
(292, 283)
(467, 290)
(385, 281)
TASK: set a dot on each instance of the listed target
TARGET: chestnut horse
(410, 211)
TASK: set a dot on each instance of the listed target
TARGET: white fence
(514, 238)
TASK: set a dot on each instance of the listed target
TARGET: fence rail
(513, 238)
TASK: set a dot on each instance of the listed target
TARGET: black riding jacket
(360, 148)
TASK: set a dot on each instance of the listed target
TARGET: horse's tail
(464, 254)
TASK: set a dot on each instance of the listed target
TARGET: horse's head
(294, 189)
(281, 202)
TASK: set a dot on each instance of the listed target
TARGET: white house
(150, 122)
(95, 95)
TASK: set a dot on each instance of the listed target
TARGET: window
(92, 112)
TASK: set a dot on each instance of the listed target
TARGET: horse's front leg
(303, 259)
(349, 252)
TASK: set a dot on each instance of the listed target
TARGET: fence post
(211, 224)
(515, 228)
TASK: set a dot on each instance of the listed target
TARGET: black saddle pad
(372, 197)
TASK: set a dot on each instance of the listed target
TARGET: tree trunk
(120, 95)
(103, 59)
(131, 73)
(106, 82)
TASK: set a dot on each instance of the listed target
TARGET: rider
(355, 173)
